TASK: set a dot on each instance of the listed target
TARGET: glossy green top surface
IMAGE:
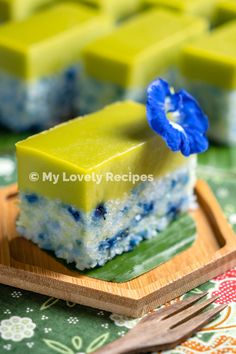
(142, 48)
(20, 9)
(95, 139)
(114, 140)
(49, 40)
(212, 58)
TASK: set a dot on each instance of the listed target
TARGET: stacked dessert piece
(106, 182)
(209, 73)
(54, 74)
(120, 65)
(40, 64)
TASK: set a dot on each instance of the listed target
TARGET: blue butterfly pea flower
(177, 118)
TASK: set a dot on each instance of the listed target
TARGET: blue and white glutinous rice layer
(38, 104)
(220, 106)
(116, 226)
(95, 94)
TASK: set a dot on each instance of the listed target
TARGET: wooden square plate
(24, 265)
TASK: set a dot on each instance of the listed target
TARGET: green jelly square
(115, 140)
(20, 9)
(212, 58)
(142, 48)
(50, 40)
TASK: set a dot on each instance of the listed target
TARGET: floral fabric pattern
(16, 328)
(226, 287)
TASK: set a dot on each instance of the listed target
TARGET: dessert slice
(209, 73)
(40, 64)
(120, 65)
(96, 187)
(19, 10)
(194, 7)
(117, 9)
(225, 11)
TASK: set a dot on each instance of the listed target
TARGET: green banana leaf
(8, 140)
(179, 236)
(219, 157)
(176, 238)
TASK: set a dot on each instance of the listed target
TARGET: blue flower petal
(177, 117)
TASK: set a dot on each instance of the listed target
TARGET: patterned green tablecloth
(31, 323)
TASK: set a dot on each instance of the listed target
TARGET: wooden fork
(166, 328)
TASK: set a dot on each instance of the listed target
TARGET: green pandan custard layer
(142, 48)
(50, 40)
(212, 58)
(115, 140)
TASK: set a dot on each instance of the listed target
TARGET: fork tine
(171, 310)
(190, 312)
(186, 329)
